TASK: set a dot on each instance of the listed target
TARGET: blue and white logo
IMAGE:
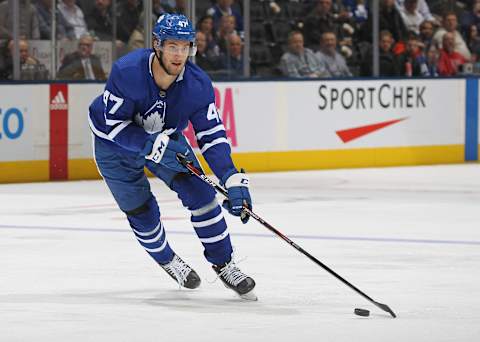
(11, 123)
(153, 120)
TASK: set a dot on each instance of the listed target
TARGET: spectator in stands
(5, 60)
(226, 28)
(450, 61)
(86, 5)
(320, 19)
(128, 15)
(388, 63)
(74, 17)
(388, 60)
(357, 9)
(203, 59)
(426, 34)
(205, 25)
(389, 20)
(449, 24)
(473, 41)
(232, 61)
(422, 7)
(160, 7)
(432, 61)
(63, 29)
(82, 64)
(30, 67)
(28, 20)
(413, 62)
(223, 8)
(300, 61)
(411, 16)
(137, 37)
(470, 17)
(180, 7)
(99, 20)
(330, 60)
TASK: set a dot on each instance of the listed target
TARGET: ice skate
(182, 273)
(236, 280)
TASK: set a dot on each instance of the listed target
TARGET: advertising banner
(58, 131)
(80, 136)
(270, 125)
(315, 115)
(24, 122)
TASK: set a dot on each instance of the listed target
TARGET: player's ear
(156, 43)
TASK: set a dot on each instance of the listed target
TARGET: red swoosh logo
(354, 133)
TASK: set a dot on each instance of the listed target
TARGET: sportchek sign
(391, 113)
(320, 115)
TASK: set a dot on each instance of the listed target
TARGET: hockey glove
(237, 184)
(164, 151)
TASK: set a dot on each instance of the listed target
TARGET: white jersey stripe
(112, 122)
(112, 134)
(213, 143)
(214, 238)
(203, 210)
(153, 231)
(215, 129)
(118, 129)
(96, 131)
(150, 62)
(159, 249)
(152, 240)
(201, 224)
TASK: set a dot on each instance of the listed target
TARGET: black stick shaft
(267, 225)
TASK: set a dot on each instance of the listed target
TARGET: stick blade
(385, 308)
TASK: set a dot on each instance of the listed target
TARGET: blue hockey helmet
(175, 27)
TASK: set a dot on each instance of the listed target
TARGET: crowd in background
(333, 38)
(288, 38)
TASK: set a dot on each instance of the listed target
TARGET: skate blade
(251, 296)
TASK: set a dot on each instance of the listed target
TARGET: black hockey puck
(361, 312)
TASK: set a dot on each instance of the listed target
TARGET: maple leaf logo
(153, 120)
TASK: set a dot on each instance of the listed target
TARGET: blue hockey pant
(123, 172)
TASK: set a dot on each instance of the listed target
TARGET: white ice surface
(71, 270)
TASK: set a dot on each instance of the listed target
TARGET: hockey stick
(189, 165)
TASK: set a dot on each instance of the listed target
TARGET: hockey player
(149, 98)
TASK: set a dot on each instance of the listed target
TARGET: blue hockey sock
(211, 228)
(149, 231)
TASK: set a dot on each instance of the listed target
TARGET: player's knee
(145, 217)
(140, 210)
(147, 209)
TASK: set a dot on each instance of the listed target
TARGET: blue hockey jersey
(133, 107)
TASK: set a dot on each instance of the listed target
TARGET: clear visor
(188, 50)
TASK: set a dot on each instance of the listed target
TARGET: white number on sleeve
(212, 112)
(118, 101)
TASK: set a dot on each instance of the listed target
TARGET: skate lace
(232, 274)
(179, 269)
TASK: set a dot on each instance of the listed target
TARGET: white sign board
(24, 122)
